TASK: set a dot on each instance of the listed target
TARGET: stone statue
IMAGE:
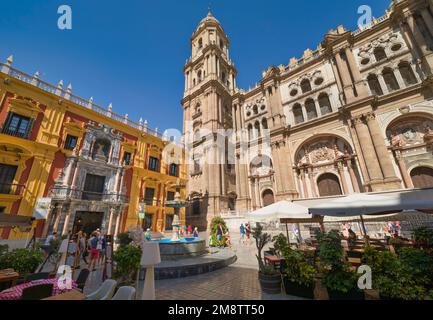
(396, 140)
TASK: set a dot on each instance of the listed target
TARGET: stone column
(304, 184)
(59, 209)
(340, 167)
(237, 172)
(110, 222)
(381, 149)
(399, 78)
(117, 227)
(419, 39)
(304, 113)
(345, 77)
(253, 193)
(382, 84)
(312, 183)
(403, 170)
(425, 13)
(277, 165)
(286, 164)
(408, 38)
(352, 174)
(66, 223)
(368, 151)
(360, 85)
(258, 195)
(318, 111)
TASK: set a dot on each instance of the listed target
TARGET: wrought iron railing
(63, 193)
(15, 133)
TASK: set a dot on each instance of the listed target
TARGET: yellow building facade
(90, 167)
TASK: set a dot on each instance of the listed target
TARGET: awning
(376, 204)
(11, 220)
(283, 211)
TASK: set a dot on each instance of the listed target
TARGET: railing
(15, 133)
(60, 193)
(370, 25)
(12, 189)
(66, 94)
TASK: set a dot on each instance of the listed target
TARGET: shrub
(336, 272)
(423, 237)
(123, 239)
(127, 259)
(280, 244)
(23, 261)
(393, 276)
(297, 267)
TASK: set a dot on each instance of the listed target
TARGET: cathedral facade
(354, 115)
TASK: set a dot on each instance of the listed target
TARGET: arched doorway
(422, 177)
(268, 197)
(329, 185)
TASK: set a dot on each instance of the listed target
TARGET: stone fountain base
(218, 259)
(182, 250)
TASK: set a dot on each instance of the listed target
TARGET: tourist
(148, 235)
(101, 247)
(352, 237)
(51, 237)
(184, 230)
(242, 231)
(94, 251)
(228, 239)
(248, 232)
(195, 235)
(189, 230)
(83, 247)
(219, 233)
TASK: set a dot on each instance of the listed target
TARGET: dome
(209, 18)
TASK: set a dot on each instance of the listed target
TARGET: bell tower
(207, 107)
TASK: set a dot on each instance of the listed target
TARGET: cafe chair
(38, 292)
(125, 293)
(82, 278)
(37, 276)
(105, 291)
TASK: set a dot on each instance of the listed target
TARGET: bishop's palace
(353, 115)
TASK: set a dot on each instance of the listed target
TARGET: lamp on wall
(149, 258)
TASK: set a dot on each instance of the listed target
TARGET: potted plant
(127, 260)
(299, 274)
(337, 277)
(270, 279)
(404, 277)
(25, 260)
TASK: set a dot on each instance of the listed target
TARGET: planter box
(270, 284)
(351, 295)
(295, 289)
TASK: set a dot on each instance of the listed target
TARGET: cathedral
(354, 115)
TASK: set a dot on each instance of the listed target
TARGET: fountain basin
(181, 249)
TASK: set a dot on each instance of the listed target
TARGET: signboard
(42, 206)
(141, 210)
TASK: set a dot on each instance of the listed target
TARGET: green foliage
(423, 237)
(4, 248)
(123, 239)
(23, 261)
(298, 269)
(127, 259)
(268, 270)
(280, 244)
(336, 273)
(213, 227)
(262, 239)
(394, 276)
(419, 263)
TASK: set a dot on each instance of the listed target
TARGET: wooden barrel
(270, 284)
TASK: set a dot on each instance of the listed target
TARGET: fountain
(178, 248)
(184, 257)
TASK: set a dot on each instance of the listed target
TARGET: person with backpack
(94, 251)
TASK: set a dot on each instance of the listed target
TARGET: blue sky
(132, 52)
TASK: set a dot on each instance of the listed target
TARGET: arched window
(174, 170)
(298, 114)
(329, 185)
(257, 129)
(305, 86)
(199, 76)
(379, 54)
(200, 43)
(255, 109)
(268, 197)
(374, 85)
(250, 131)
(390, 80)
(224, 77)
(310, 106)
(325, 104)
(265, 124)
(407, 73)
(422, 177)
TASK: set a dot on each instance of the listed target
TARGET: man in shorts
(94, 251)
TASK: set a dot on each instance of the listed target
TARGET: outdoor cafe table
(73, 295)
(16, 292)
(8, 275)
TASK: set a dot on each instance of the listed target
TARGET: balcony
(66, 193)
(11, 189)
(15, 133)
